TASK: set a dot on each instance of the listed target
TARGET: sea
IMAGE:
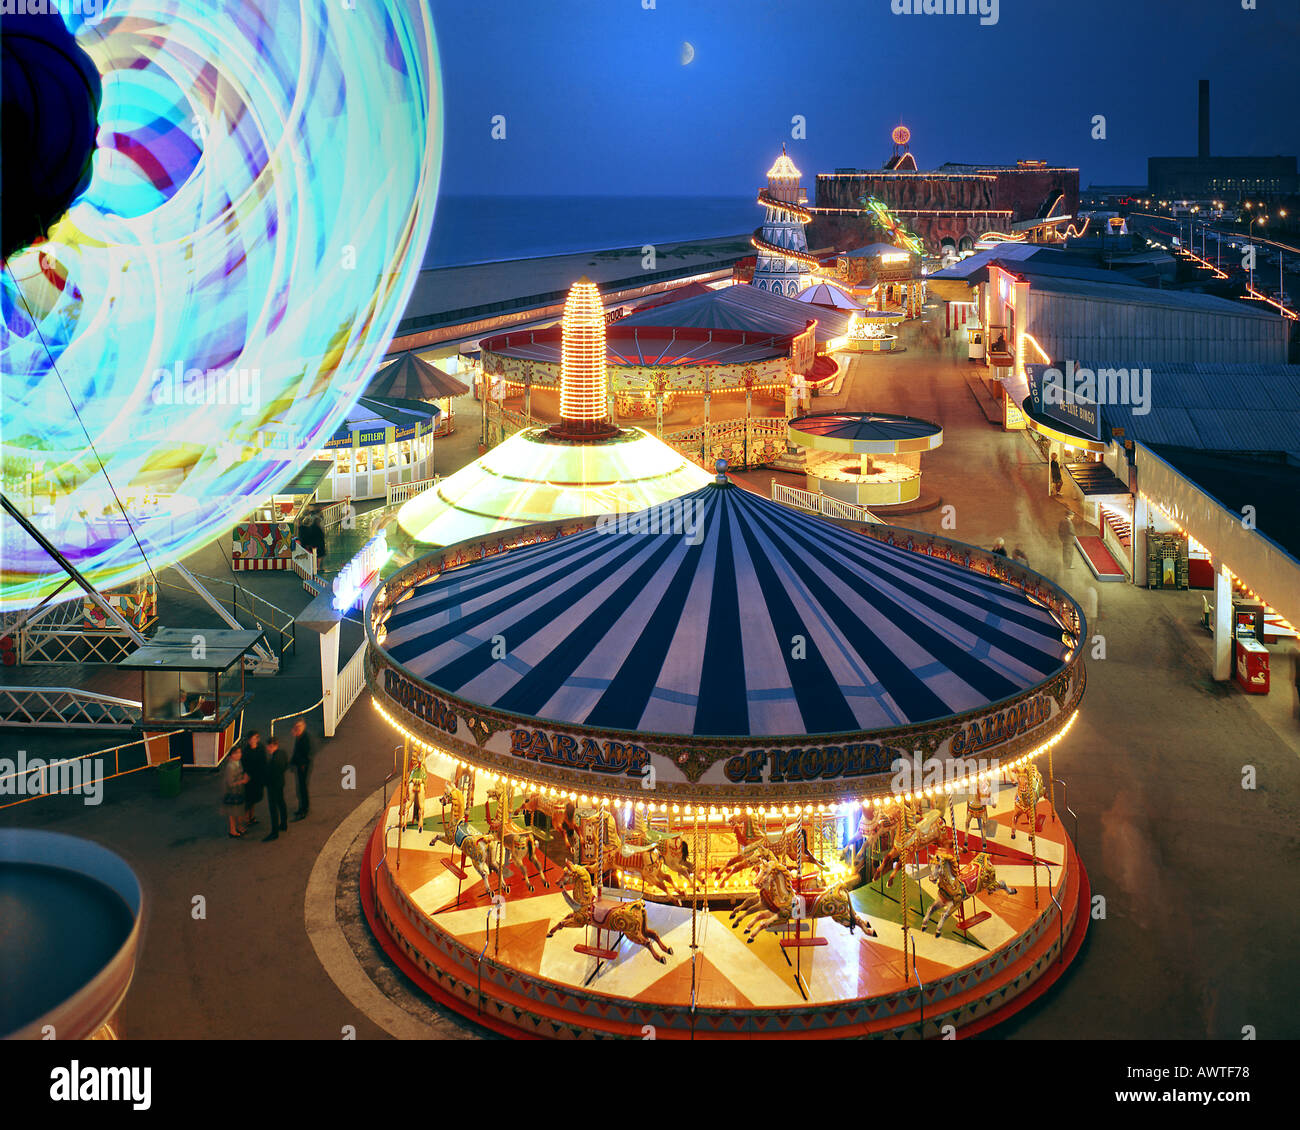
(489, 229)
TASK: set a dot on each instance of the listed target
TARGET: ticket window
(172, 694)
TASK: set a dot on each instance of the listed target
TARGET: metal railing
(65, 708)
(72, 645)
(818, 503)
(400, 492)
(56, 770)
(383, 839)
(295, 714)
(279, 625)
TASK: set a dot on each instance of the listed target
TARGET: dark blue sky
(596, 100)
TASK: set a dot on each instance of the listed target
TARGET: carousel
(725, 770)
(864, 457)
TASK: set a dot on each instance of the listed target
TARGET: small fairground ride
(866, 458)
(193, 692)
(758, 775)
(72, 932)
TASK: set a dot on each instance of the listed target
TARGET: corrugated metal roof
(1212, 407)
(972, 265)
(1148, 296)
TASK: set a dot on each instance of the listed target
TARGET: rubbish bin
(169, 779)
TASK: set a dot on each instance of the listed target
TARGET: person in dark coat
(277, 764)
(1057, 479)
(255, 768)
(301, 762)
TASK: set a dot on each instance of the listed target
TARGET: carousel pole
(1033, 847)
(1051, 782)
(501, 855)
(401, 806)
(695, 902)
(904, 829)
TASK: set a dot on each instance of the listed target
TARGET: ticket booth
(192, 693)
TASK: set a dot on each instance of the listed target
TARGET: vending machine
(1250, 657)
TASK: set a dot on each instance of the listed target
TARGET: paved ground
(1199, 875)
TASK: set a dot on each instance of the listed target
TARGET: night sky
(597, 102)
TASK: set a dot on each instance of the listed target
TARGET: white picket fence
(400, 492)
(352, 681)
(819, 503)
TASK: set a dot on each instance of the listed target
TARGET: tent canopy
(413, 378)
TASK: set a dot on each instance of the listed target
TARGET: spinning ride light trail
(260, 200)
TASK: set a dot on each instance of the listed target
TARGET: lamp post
(1281, 282)
(1250, 235)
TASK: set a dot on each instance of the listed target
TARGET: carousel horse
(773, 901)
(520, 842)
(610, 915)
(561, 816)
(674, 849)
(1030, 789)
(956, 883)
(791, 844)
(929, 829)
(977, 808)
(417, 779)
(476, 845)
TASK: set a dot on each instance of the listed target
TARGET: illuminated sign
(420, 701)
(590, 754)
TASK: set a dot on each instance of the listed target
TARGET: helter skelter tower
(784, 265)
(584, 383)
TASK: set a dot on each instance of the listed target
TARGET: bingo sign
(1067, 397)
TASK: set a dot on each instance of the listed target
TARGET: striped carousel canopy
(698, 631)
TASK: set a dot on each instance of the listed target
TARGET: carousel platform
(503, 972)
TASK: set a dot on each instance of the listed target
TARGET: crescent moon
(688, 53)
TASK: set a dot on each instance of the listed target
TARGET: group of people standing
(253, 769)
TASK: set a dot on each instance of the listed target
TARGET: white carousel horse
(611, 915)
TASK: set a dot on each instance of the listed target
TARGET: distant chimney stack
(1203, 120)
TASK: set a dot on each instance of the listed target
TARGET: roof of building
(1270, 486)
(172, 649)
(1112, 291)
(874, 251)
(1212, 408)
(831, 297)
(687, 632)
(369, 413)
(654, 344)
(690, 290)
(745, 307)
(783, 167)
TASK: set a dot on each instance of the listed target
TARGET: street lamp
(1250, 235)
